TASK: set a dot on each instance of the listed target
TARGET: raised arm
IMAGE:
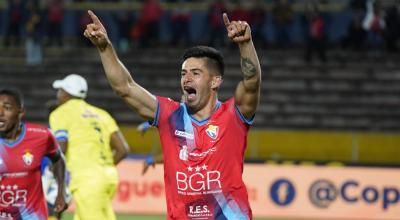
(247, 94)
(138, 98)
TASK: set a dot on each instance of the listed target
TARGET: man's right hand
(149, 161)
(146, 167)
(96, 32)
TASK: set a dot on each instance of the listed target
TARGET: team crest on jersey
(28, 158)
(212, 131)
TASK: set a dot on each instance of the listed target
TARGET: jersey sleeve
(53, 150)
(165, 107)
(239, 115)
(59, 125)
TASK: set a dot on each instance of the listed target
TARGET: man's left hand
(60, 204)
(238, 31)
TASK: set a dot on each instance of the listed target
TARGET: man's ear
(216, 82)
(21, 114)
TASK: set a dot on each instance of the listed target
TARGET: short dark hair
(16, 94)
(215, 59)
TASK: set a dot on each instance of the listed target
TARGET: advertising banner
(285, 191)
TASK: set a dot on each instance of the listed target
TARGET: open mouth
(191, 93)
(2, 123)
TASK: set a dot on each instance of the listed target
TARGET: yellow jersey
(87, 129)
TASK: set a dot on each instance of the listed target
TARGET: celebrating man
(203, 139)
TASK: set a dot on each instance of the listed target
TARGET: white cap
(73, 84)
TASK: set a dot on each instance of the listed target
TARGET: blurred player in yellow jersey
(93, 145)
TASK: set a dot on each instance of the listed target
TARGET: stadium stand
(352, 92)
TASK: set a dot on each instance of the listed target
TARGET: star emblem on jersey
(212, 131)
(197, 168)
(28, 158)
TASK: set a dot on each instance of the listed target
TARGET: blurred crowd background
(314, 25)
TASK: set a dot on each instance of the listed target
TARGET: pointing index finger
(226, 19)
(94, 18)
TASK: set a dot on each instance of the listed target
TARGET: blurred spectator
(257, 22)
(392, 34)
(180, 19)
(55, 16)
(148, 24)
(356, 35)
(357, 5)
(374, 24)
(124, 21)
(84, 19)
(283, 17)
(217, 32)
(15, 14)
(240, 13)
(315, 33)
(34, 35)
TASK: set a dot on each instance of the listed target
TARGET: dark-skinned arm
(119, 146)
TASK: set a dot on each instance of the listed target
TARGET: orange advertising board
(324, 192)
(282, 191)
(137, 193)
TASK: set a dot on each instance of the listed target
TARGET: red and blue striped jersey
(21, 194)
(203, 161)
